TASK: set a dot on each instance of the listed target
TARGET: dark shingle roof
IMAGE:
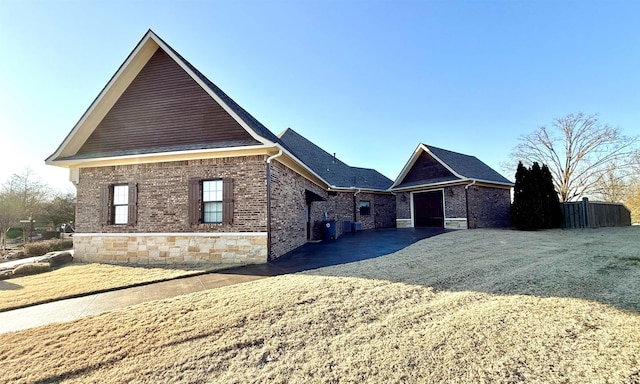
(468, 166)
(332, 170)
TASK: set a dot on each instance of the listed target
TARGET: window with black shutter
(119, 204)
(210, 201)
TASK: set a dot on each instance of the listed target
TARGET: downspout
(466, 198)
(355, 217)
(269, 202)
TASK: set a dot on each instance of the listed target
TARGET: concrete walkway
(348, 248)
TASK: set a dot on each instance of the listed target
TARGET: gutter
(269, 202)
(466, 198)
(355, 208)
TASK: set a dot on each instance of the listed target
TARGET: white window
(120, 204)
(212, 201)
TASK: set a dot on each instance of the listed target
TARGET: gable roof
(462, 167)
(305, 156)
(120, 81)
(331, 169)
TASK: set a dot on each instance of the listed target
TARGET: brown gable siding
(164, 107)
(426, 168)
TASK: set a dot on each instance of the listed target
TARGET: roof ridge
(448, 150)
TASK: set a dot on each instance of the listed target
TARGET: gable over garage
(442, 188)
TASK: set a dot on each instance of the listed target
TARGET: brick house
(169, 169)
(441, 188)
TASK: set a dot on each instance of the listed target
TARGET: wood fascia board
(493, 184)
(407, 167)
(164, 157)
(110, 94)
(210, 92)
(482, 183)
(431, 185)
(362, 190)
(298, 167)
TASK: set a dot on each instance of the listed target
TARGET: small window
(365, 208)
(212, 201)
(120, 204)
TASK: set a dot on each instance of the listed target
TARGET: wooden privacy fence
(586, 214)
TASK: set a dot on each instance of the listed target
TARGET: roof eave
(147, 157)
(450, 183)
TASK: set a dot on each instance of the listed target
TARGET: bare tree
(579, 150)
(614, 185)
(22, 196)
(632, 199)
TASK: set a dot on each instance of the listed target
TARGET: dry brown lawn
(78, 278)
(464, 307)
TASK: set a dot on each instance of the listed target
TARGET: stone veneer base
(449, 223)
(171, 248)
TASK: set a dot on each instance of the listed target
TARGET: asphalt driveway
(347, 248)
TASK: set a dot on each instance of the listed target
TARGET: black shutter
(227, 201)
(195, 201)
(133, 204)
(106, 193)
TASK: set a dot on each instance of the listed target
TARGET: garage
(428, 209)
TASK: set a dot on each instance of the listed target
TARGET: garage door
(428, 210)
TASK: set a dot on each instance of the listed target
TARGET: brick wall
(162, 207)
(385, 211)
(489, 207)
(338, 206)
(403, 209)
(455, 203)
(288, 209)
(163, 198)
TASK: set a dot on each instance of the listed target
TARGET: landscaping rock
(56, 259)
(6, 274)
(15, 255)
(31, 269)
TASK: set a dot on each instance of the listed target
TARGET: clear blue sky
(368, 80)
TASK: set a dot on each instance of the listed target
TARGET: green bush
(41, 247)
(14, 233)
(31, 269)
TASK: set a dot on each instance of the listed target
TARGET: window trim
(114, 206)
(204, 202)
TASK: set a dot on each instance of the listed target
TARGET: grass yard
(78, 278)
(467, 306)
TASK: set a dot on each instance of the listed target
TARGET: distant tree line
(25, 197)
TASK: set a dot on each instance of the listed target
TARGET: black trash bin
(329, 229)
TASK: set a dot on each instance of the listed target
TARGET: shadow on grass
(8, 286)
